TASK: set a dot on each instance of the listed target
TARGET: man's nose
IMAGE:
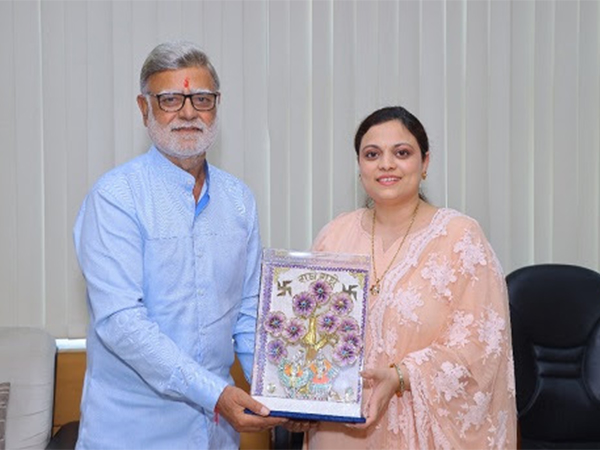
(187, 111)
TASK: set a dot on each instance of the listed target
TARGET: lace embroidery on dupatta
(491, 327)
(425, 422)
(458, 332)
(510, 374)
(471, 254)
(440, 273)
(499, 434)
(418, 243)
(475, 414)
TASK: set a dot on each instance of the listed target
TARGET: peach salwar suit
(443, 313)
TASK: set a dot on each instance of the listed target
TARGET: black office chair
(555, 315)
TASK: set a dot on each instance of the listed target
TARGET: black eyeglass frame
(216, 96)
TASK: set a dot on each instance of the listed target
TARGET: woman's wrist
(401, 379)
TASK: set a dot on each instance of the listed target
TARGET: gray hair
(173, 56)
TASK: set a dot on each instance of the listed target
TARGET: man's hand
(231, 405)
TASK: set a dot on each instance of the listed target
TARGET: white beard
(172, 144)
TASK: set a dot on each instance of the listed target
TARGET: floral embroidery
(471, 254)
(441, 394)
(441, 274)
(499, 431)
(406, 302)
(422, 356)
(491, 327)
(510, 374)
(458, 333)
(416, 246)
(393, 414)
(390, 339)
(447, 381)
(475, 414)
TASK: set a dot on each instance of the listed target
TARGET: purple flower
(274, 322)
(276, 350)
(294, 330)
(304, 304)
(328, 323)
(345, 354)
(341, 304)
(352, 339)
(321, 291)
(348, 325)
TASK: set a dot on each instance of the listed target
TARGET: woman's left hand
(384, 384)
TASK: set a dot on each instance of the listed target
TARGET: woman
(438, 370)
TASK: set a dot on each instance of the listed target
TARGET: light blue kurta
(172, 289)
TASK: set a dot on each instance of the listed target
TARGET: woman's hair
(173, 56)
(412, 124)
(387, 114)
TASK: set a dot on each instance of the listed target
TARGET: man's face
(187, 132)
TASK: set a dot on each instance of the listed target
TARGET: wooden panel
(70, 371)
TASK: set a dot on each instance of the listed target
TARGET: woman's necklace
(376, 287)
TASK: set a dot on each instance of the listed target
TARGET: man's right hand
(231, 405)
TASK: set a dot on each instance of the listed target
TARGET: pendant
(375, 288)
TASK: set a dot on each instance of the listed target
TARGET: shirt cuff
(201, 387)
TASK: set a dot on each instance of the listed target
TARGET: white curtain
(509, 92)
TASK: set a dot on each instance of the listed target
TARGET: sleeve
(462, 385)
(109, 246)
(244, 333)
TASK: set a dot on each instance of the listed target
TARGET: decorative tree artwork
(310, 334)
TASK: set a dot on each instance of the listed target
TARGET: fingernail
(264, 411)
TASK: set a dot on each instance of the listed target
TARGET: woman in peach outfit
(439, 368)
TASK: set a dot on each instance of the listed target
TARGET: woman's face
(390, 163)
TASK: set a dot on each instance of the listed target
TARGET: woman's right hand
(384, 385)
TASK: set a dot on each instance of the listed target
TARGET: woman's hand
(384, 383)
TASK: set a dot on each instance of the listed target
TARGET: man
(170, 249)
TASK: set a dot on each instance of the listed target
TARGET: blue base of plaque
(315, 417)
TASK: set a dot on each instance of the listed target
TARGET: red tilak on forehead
(186, 83)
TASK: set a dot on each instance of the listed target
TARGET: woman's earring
(424, 175)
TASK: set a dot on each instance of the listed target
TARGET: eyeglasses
(173, 102)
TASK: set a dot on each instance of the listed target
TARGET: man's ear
(142, 102)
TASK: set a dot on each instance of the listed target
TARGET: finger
(259, 423)
(367, 374)
(256, 407)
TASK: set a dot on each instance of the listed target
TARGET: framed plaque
(310, 335)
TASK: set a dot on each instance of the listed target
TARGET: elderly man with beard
(169, 247)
